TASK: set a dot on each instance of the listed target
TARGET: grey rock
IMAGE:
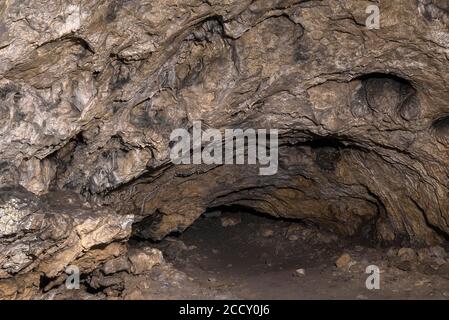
(90, 93)
(116, 265)
(438, 252)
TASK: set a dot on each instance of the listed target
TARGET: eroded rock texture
(91, 90)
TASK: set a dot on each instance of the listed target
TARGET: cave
(268, 149)
(243, 254)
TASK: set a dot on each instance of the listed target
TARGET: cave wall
(91, 90)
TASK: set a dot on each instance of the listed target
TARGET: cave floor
(247, 256)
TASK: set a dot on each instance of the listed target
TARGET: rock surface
(343, 261)
(44, 235)
(90, 92)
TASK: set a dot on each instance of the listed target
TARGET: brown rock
(267, 232)
(392, 252)
(300, 272)
(89, 96)
(438, 252)
(343, 261)
(423, 254)
(116, 265)
(143, 260)
(134, 295)
(407, 254)
(66, 232)
(404, 265)
(8, 289)
(230, 220)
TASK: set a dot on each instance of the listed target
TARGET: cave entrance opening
(253, 255)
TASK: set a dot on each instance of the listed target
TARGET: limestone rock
(116, 265)
(267, 232)
(45, 236)
(230, 220)
(407, 254)
(438, 252)
(348, 110)
(90, 93)
(343, 261)
(300, 272)
(143, 260)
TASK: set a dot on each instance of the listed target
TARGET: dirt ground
(247, 256)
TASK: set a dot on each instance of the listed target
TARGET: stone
(422, 282)
(294, 232)
(423, 254)
(343, 261)
(27, 284)
(438, 252)
(116, 265)
(392, 252)
(112, 160)
(230, 221)
(351, 264)
(143, 260)
(134, 295)
(175, 248)
(8, 288)
(99, 280)
(212, 214)
(407, 254)
(300, 272)
(439, 262)
(326, 238)
(67, 233)
(101, 254)
(404, 265)
(113, 291)
(267, 232)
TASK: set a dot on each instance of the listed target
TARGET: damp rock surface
(90, 92)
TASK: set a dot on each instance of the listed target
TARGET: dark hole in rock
(385, 93)
(440, 129)
(327, 152)
(252, 255)
(44, 281)
(144, 228)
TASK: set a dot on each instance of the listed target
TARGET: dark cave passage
(254, 255)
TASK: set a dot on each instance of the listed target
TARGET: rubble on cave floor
(243, 255)
(146, 277)
(264, 258)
